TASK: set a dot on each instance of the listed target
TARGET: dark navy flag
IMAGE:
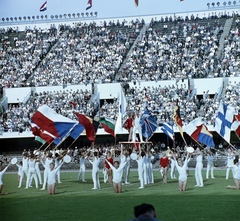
(149, 124)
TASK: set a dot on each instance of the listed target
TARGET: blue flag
(149, 124)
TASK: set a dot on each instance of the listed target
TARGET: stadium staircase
(141, 33)
(226, 31)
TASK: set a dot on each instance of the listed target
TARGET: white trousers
(135, 129)
(198, 174)
(82, 171)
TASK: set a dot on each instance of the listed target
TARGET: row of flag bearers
(52, 127)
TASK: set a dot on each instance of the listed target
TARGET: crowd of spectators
(66, 102)
(86, 54)
(170, 49)
(19, 60)
(176, 50)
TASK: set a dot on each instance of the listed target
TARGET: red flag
(236, 125)
(88, 125)
(177, 119)
(128, 123)
(36, 131)
(136, 3)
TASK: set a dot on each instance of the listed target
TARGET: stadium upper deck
(172, 48)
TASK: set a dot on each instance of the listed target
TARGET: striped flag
(56, 124)
(43, 7)
(167, 128)
(89, 4)
(108, 125)
(199, 132)
(39, 139)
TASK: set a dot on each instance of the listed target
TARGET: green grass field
(77, 201)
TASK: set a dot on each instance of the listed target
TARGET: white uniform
(25, 169)
(57, 163)
(46, 165)
(137, 127)
(145, 170)
(1, 174)
(38, 172)
(198, 171)
(95, 172)
(31, 173)
(140, 171)
(82, 168)
(150, 171)
(230, 164)
(210, 166)
(236, 172)
(122, 161)
(117, 173)
(20, 172)
(182, 171)
(51, 174)
(126, 170)
(172, 171)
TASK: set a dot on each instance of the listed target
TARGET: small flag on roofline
(43, 7)
(89, 4)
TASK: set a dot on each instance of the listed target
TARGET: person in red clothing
(107, 167)
(128, 125)
(164, 162)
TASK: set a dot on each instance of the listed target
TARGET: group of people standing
(30, 167)
(116, 170)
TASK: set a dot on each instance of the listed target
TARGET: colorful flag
(108, 125)
(88, 125)
(167, 128)
(149, 124)
(44, 135)
(56, 124)
(136, 3)
(89, 4)
(43, 7)
(223, 122)
(199, 132)
(39, 139)
(236, 125)
(177, 118)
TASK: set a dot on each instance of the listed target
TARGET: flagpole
(66, 136)
(40, 147)
(74, 141)
(48, 146)
(230, 144)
